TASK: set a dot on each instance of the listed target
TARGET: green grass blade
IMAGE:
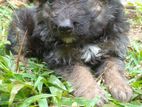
(43, 103)
(39, 83)
(35, 98)
(16, 88)
(55, 81)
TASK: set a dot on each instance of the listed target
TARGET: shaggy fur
(76, 34)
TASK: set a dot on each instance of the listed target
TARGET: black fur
(97, 23)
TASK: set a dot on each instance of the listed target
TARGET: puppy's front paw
(93, 91)
(85, 85)
(121, 91)
(97, 92)
(118, 86)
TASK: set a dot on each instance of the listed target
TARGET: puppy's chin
(67, 38)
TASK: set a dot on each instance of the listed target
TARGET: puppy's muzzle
(66, 26)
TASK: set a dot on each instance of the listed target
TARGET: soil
(135, 33)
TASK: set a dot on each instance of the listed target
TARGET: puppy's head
(71, 18)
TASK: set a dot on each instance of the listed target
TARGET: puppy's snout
(66, 25)
(65, 29)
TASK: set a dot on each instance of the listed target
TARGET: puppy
(75, 37)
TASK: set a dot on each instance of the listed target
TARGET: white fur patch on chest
(90, 52)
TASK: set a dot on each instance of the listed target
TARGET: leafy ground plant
(33, 85)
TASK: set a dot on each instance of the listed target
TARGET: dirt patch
(135, 33)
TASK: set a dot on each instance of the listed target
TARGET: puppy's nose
(65, 29)
(66, 25)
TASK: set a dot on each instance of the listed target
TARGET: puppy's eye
(75, 23)
(50, 1)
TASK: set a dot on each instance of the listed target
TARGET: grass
(36, 86)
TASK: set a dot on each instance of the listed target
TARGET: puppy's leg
(83, 83)
(115, 81)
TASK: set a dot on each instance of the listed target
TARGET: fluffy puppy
(73, 37)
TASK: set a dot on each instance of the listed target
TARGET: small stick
(20, 52)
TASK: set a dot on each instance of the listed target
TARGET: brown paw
(121, 91)
(92, 92)
(118, 86)
(85, 85)
(98, 92)
(115, 80)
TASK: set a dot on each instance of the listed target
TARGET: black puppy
(74, 36)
